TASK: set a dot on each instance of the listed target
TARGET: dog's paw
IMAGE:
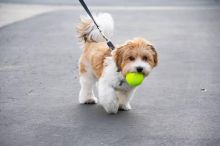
(126, 107)
(92, 100)
(111, 108)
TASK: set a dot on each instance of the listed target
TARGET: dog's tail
(87, 30)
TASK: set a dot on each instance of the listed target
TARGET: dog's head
(137, 55)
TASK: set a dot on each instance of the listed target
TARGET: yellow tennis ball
(134, 79)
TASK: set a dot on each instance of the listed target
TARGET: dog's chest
(113, 77)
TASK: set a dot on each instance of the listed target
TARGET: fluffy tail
(87, 30)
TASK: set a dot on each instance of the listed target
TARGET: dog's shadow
(98, 110)
(94, 113)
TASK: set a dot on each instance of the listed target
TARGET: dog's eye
(145, 58)
(131, 58)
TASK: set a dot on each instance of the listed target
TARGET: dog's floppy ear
(154, 55)
(117, 55)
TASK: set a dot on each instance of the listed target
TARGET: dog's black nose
(139, 69)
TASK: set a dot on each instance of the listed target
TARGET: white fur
(112, 96)
(87, 82)
(106, 24)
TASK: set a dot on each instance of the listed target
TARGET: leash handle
(109, 43)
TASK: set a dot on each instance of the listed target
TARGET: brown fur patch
(98, 61)
(94, 54)
(82, 67)
(155, 56)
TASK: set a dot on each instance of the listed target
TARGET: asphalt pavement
(177, 105)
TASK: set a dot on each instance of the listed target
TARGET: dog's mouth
(145, 73)
(141, 69)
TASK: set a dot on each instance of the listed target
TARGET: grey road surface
(177, 105)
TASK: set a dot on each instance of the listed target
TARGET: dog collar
(121, 82)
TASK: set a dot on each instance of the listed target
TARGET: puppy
(99, 64)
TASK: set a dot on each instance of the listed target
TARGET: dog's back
(95, 49)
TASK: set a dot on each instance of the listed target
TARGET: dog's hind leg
(86, 95)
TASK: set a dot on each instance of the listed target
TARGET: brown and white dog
(99, 64)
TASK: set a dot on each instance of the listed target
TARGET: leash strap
(109, 43)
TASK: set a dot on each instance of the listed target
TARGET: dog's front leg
(108, 98)
(124, 99)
